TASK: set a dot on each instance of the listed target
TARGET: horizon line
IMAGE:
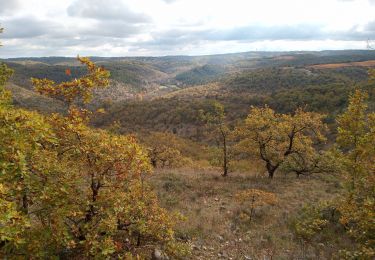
(199, 55)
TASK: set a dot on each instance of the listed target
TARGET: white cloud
(8, 6)
(161, 27)
(106, 10)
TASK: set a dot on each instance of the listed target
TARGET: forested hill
(165, 93)
(78, 184)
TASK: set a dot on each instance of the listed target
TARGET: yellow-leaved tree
(254, 198)
(68, 190)
(356, 144)
(215, 121)
(163, 150)
(282, 139)
(352, 213)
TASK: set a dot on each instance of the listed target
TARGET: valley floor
(214, 225)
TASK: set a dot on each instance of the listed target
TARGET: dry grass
(214, 226)
(285, 57)
(368, 63)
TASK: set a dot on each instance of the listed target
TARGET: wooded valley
(255, 155)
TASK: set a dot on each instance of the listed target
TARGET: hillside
(165, 93)
(187, 120)
(28, 99)
(283, 89)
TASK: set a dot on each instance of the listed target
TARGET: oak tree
(163, 150)
(69, 190)
(278, 139)
(254, 198)
(356, 144)
(215, 121)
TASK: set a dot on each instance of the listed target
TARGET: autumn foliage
(356, 152)
(352, 212)
(254, 198)
(163, 150)
(215, 122)
(282, 139)
(81, 88)
(69, 190)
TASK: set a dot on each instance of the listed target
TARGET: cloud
(370, 27)
(32, 27)
(251, 33)
(129, 27)
(169, 1)
(27, 27)
(261, 32)
(370, 1)
(8, 5)
(114, 29)
(106, 10)
(179, 39)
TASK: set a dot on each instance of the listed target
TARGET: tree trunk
(95, 191)
(153, 162)
(25, 203)
(225, 156)
(271, 169)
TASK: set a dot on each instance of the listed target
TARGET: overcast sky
(187, 27)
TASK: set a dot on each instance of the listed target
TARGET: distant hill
(165, 93)
(273, 79)
(31, 100)
(201, 74)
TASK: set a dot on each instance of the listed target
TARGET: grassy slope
(213, 224)
(29, 99)
(207, 200)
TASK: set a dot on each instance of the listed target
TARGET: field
(214, 226)
(368, 63)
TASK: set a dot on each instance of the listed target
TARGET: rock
(216, 199)
(220, 238)
(183, 237)
(247, 257)
(159, 255)
(224, 254)
(195, 247)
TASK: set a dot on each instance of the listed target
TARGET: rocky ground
(215, 227)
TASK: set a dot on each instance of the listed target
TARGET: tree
(254, 198)
(12, 221)
(280, 139)
(106, 190)
(356, 144)
(352, 212)
(81, 88)
(163, 150)
(69, 190)
(215, 121)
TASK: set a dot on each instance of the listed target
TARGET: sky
(35, 28)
